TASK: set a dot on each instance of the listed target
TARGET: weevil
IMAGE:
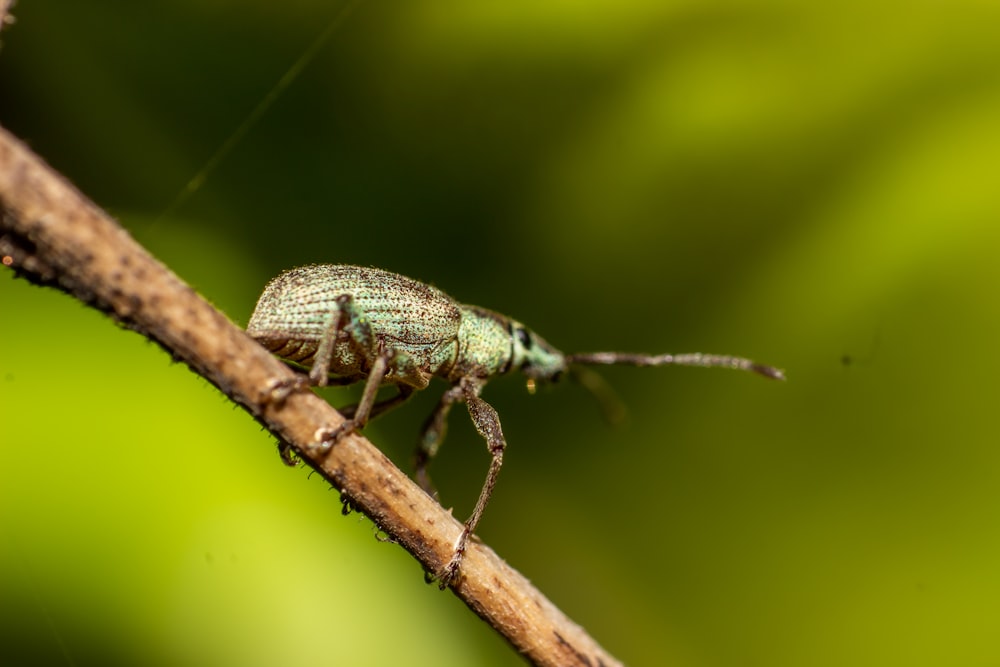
(345, 324)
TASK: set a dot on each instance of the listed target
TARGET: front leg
(433, 435)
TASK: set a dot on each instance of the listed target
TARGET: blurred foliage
(813, 186)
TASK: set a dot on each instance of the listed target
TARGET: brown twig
(52, 235)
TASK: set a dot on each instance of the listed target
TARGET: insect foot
(278, 391)
(288, 455)
(328, 437)
(449, 573)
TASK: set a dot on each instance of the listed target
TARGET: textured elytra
(297, 304)
(379, 312)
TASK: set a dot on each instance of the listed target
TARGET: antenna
(612, 408)
(688, 359)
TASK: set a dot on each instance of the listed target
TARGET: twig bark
(52, 235)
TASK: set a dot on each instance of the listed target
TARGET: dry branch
(52, 235)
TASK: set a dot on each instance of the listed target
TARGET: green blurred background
(815, 188)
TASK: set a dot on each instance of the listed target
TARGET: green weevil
(347, 323)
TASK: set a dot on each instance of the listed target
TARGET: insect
(347, 323)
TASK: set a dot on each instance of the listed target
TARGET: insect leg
(401, 369)
(487, 422)
(344, 317)
(365, 407)
(383, 406)
(433, 435)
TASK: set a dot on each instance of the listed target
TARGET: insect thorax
(484, 344)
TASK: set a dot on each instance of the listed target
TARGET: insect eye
(524, 337)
